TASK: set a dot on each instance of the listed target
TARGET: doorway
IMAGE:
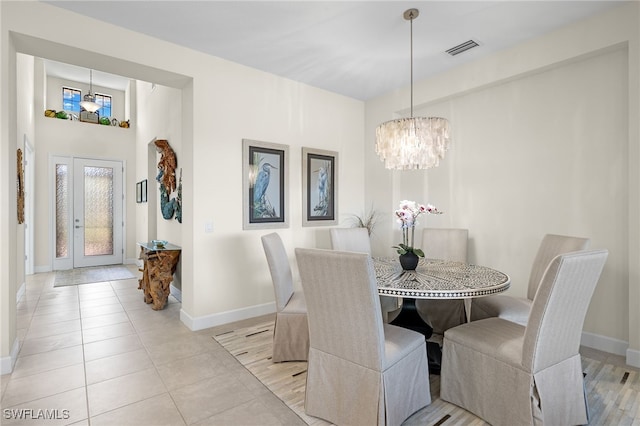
(87, 204)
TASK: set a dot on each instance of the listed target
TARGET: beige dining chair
(510, 374)
(358, 240)
(291, 330)
(446, 244)
(517, 309)
(360, 370)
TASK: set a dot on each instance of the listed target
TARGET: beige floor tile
(125, 284)
(157, 411)
(209, 397)
(107, 332)
(94, 288)
(115, 393)
(251, 413)
(100, 302)
(102, 294)
(55, 299)
(50, 343)
(71, 305)
(170, 330)
(4, 379)
(55, 317)
(103, 320)
(177, 348)
(44, 330)
(50, 360)
(61, 409)
(117, 365)
(41, 385)
(109, 347)
(94, 311)
(187, 371)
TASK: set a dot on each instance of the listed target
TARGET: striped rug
(613, 391)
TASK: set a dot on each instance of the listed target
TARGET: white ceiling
(356, 48)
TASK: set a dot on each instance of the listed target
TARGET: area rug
(252, 347)
(613, 390)
(94, 274)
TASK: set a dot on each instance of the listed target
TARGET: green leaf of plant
(418, 252)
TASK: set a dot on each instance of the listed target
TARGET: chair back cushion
(279, 267)
(445, 243)
(550, 247)
(343, 306)
(557, 314)
(351, 239)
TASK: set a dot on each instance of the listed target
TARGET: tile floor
(96, 354)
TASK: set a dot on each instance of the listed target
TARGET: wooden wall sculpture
(20, 187)
(167, 178)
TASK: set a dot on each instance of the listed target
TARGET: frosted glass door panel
(97, 218)
(98, 211)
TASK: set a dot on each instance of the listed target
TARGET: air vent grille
(462, 47)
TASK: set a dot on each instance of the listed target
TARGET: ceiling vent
(462, 47)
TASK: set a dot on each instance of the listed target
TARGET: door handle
(79, 226)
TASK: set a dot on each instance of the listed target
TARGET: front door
(89, 205)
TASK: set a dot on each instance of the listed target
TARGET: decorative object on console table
(319, 187)
(160, 260)
(407, 216)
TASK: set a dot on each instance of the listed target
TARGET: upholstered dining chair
(358, 240)
(291, 330)
(517, 309)
(446, 244)
(510, 374)
(360, 370)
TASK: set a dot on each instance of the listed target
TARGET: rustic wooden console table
(159, 266)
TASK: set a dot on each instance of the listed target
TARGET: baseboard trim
(42, 268)
(603, 343)
(20, 292)
(207, 321)
(8, 362)
(176, 292)
(633, 358)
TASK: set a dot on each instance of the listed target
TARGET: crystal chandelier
(415, 142)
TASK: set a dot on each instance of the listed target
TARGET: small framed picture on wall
(319, 187)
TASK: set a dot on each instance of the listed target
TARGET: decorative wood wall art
(167, 178)
(20, 187)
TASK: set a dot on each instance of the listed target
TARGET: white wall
(544, 141)
(224, 273)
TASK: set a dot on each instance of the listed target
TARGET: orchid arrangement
(407, 216)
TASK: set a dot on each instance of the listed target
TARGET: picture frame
(139, 192)
(265, 185)
(144, 190)
(319, 187)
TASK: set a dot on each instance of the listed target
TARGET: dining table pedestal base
(410, 318)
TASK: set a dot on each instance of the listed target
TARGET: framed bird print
(265, 170)
(319, 187)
